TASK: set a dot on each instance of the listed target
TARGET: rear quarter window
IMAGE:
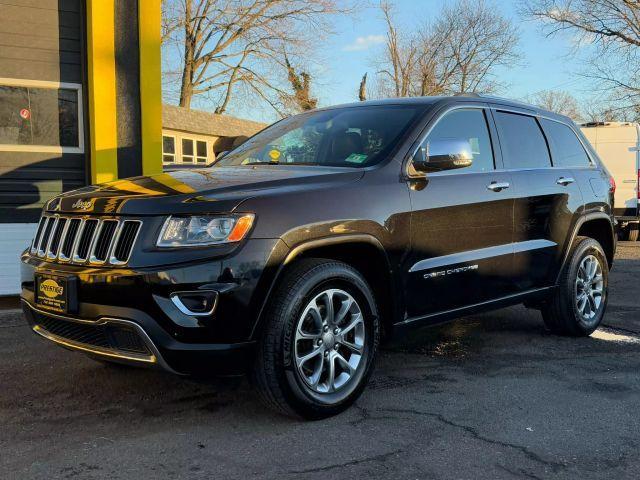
(566, 149)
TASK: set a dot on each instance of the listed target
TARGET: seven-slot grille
(85, 240)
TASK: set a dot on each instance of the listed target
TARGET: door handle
(498, 186)
(564, 181)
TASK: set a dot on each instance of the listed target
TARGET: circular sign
(274, 154)
(25, 113)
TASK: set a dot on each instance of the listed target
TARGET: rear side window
(566, 149)
(522, 141)
(470, 125)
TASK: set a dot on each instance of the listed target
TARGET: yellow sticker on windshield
(274, 154)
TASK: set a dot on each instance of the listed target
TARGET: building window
(187, 150)
(201, 151)
(37, 116)
(168, 149)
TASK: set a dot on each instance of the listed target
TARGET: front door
(461, 224)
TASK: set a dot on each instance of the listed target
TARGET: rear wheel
(316, 354)
(634, 228)
(580, 300)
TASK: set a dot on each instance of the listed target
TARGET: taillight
(612, 185)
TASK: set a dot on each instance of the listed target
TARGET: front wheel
(580, 300)
(319, 342)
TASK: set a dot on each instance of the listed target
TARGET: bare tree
(607, 112)
(475, 39)
(611, 26)
(557, 101)
(301, 86)
(225, 44)
(362, 90)
(457, 53)
(400, 56)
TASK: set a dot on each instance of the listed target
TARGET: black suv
(297, 252)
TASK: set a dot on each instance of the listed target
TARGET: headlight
(194, 231)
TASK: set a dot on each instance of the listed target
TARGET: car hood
(210, 190)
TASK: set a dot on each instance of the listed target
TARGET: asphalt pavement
(489, 396)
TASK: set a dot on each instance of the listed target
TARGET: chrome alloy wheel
(329, 341)
(589, 287)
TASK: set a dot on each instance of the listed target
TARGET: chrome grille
(85, 240)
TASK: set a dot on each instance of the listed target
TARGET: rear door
(461, 222)
(546, 199)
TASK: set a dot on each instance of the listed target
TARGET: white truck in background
(618, 145)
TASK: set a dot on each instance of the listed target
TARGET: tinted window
(470, 125)
(343, 137)
(523, 144)
(566, 149)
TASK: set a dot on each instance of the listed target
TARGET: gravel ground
(488, 396)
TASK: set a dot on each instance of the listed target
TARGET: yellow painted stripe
(149, 21)
(173, 183)
(129, 186)
(103, 132)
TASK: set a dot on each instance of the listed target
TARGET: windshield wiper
(272, 162)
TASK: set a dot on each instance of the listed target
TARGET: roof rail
(467, 94)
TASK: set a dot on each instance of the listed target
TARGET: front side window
(342, 137)
(39, 117)
(566, 149)
(469, 125)
(523, 144)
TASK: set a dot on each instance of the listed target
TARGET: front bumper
(103, 339)
(126, 315)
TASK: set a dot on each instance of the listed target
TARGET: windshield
(342, 137)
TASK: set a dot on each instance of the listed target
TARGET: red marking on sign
(25, 113)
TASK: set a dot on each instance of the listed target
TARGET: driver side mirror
(443, 154)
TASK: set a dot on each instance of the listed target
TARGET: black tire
(634, 228)
(561, 313)
(275, 375)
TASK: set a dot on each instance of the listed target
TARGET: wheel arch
(596, 225)
(363, 252)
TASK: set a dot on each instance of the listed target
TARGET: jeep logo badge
(82, 204)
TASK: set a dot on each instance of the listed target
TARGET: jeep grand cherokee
(299, 250)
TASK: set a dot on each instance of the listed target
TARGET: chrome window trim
(488, 105)
(546, 117)
(422, 138)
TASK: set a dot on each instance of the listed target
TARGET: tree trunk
(186, 86)
(362, 92)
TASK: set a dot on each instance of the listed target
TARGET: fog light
(196, 303)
